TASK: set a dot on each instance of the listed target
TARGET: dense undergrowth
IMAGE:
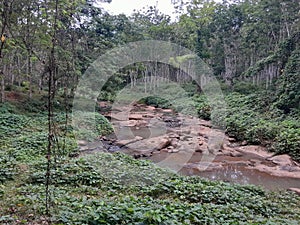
(252, 118)
(112, 189)
(116, 189)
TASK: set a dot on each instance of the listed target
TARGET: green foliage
(7, 107)
(250, 117)
(289, 85)
(91, 125)
(12, 124)
(288, 139)
(116, 189)
(8, 168)
(156, 102)
(244, 87)
(103, 170)
(202, 106)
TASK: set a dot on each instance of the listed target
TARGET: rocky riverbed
(191, 146)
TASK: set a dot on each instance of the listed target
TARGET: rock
(215, 147)
(104, 138)
(148, 115)
(244, 143)
(103, 104)
(139, 154)
(276, 171)
(173, 135)
(165, 142)
(289, 168)
(204, 166)
(167, 110)
(236, 154)
(174, 142)
(282, 160)
(141, 123)
(200, 149)
(138, 138)
(120, 116)
(203, 133)
(205, 123)
(200, 142)
(254, 162)
(164, 150)
(136, 156)
(185, 138)
(231, 139)
(126, 142)
(150, 108)
(127, 123)
(170, 147)
(296, 190)
(173, 150)
(82, 142)
(256, 150)
(186, 131)
(135, 117)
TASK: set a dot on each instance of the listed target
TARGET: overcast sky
(127, 6)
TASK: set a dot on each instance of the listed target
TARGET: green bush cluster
(252, 118)
(156, 102)
(202, 106)
(7, 107)
(90, 125)
(288, 139)
(8, 167)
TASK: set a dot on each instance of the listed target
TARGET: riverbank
(192, 146)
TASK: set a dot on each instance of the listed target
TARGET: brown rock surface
(282, 160)
(296, 190)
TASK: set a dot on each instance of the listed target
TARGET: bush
(8, 168)
(244, 87)
(288, 139)
(12, 124)
(202, 106)
(156, 102)
(262, 132)
(7, 107)
(90, 125)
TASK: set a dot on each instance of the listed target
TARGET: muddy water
(235, 172)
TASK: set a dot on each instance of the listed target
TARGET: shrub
(244, 87)
(288, 139)
(8, 168)
(7, 107)
(202, 106)
(90, 125)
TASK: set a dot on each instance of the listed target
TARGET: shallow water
(235, 172)
(239, 174)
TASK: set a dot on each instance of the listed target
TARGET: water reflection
(241, 175)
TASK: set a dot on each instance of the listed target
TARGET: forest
(91, 102)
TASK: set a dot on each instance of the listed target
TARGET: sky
(127, 6)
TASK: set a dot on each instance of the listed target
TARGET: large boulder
(282, 160)
(296, 190)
